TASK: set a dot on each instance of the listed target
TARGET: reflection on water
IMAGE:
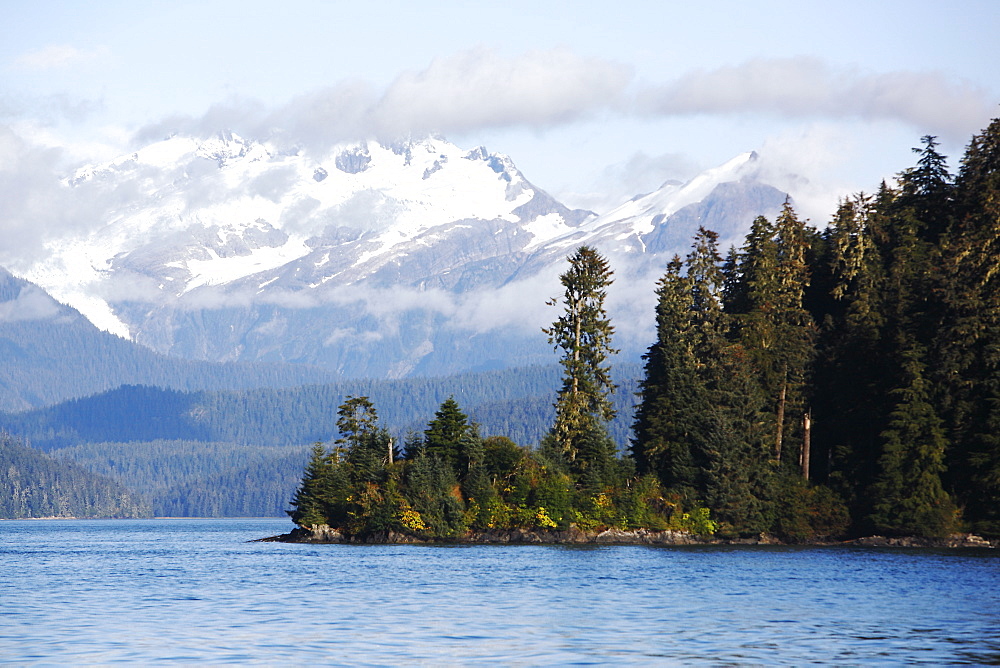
(189, 591)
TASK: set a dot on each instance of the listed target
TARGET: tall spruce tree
(697, 425)
(729, 450)
(776, 330)
(908, 497)
(668, 428)
(968, 342)
(928, 190)
(583, 334)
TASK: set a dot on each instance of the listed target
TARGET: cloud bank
(806, 87)
(469, 91)
(481, 90)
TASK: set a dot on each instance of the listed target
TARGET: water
(186, 591)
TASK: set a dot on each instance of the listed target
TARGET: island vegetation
(812, 383)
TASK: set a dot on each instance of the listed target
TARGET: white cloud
(466, 92)
(806, 87)
(639, 174)
(481, 89)
(58, 56)
(30, 304)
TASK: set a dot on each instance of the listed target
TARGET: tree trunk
(806, 443)
(576, 349)
(781, 417)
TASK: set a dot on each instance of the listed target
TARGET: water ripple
(194, 591)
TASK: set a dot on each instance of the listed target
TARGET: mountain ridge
(370, 259)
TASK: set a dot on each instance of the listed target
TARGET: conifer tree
(709, 324)
(909, 498)
(668, 428)
(968, 342)
(927, 188)
(369, 448)
(451, 438)
(429, 484)
(776, 330)
(584, 335)
(310, 498)
(849, 390)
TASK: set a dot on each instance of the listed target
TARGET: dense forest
(811, 383)
(198, 479)
(513, 402)
(231, 454)
(33, 484)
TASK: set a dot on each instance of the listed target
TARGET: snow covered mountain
(411, 257)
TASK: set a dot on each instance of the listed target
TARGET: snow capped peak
(231, 219)
(228, 146)
(197, 216)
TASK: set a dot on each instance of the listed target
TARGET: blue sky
(594, 101)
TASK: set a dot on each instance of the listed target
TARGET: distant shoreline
(324, 535)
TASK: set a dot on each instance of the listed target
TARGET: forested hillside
(241, 453)
(198, 479)
(512, 402)
(51, 353)
(33, 484)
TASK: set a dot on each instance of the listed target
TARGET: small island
(812, 386)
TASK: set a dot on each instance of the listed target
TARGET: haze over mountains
(379, 260)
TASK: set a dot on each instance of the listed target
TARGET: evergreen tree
(697, 425)
(451, 438)
(776, 330)
(854, 365)
(908, 496)
(311, 498)
(668, 430)
(368, 446)
(584, 334)
(927, 188)
(709, 324)
(433, 491)
(968, 342)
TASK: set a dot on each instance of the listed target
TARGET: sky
(594, 101)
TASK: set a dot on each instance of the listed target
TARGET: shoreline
(324, 535)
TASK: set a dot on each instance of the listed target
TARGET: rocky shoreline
(323, 534)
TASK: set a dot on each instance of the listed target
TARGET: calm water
(185, 591)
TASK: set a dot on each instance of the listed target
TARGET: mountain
(33, 485)
(371, 259)
(517, 403)
(51, 353)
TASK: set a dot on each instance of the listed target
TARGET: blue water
(195, 591)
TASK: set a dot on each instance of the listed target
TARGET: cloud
(58, 56)
(469, 91)
(805, 161)
(480, 89)
(640, 173)
(31, 303)
(33, 201)
(805, 87)
(49, 109)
